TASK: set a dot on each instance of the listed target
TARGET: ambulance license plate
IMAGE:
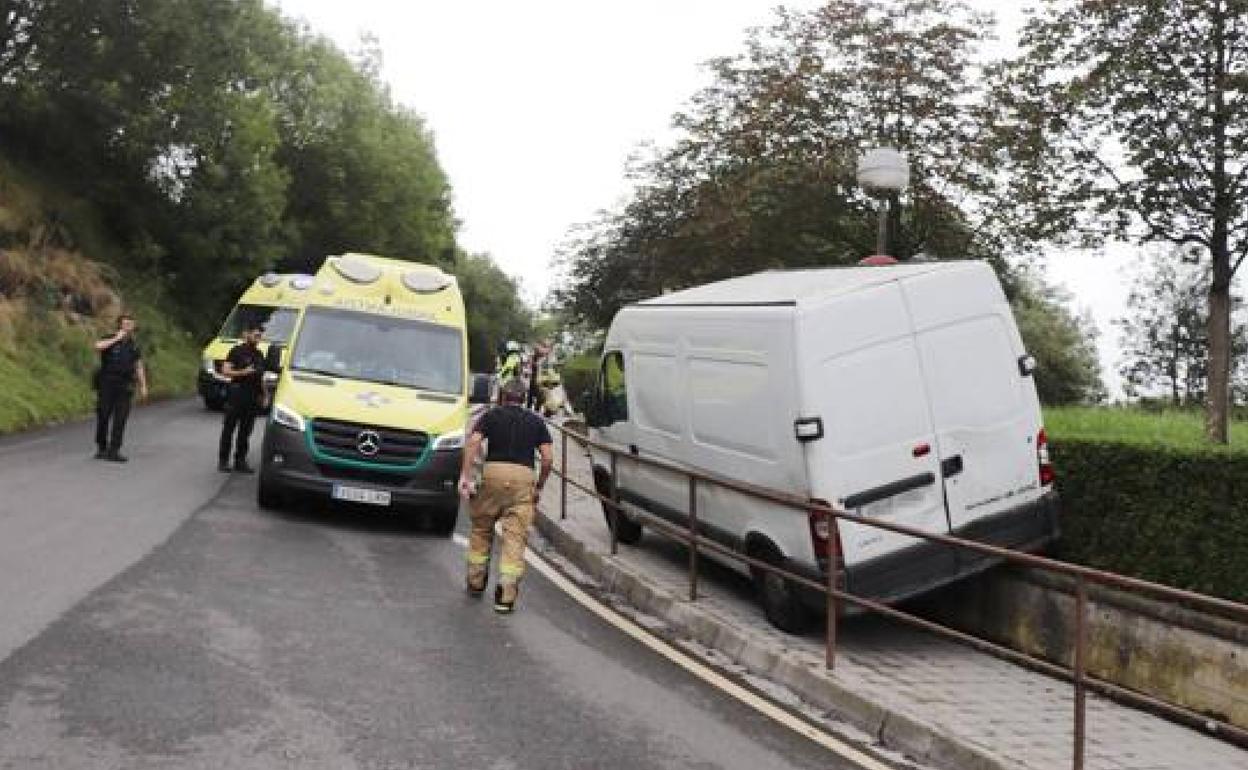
(361, 495)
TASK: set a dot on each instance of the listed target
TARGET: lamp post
(883, 172)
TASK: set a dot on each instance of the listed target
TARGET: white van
(901, 393)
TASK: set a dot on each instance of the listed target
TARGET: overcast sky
(536, 106)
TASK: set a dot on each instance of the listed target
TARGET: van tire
(778, 597)
(628, 531)
(214, 404)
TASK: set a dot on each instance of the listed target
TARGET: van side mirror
(482, 387)
(273, 358)
(591, 407)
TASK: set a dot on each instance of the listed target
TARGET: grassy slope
(45, 353)
(1179, 429)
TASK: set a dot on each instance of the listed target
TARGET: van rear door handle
(632, 449)
(951, 466)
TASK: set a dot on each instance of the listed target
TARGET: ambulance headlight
(449, 441)
(209, 366)
(287, 417)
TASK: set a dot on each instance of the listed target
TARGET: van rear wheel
(627, 531)
(779, 597)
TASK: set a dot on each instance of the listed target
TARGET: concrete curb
(921, 740)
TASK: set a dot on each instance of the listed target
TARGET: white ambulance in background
(901, 393)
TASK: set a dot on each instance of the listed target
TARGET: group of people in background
(121, 368)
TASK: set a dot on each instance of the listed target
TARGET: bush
(1169, 514)
(578, 377)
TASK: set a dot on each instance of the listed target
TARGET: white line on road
(698, 669)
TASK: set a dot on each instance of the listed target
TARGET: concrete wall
(1194, 659)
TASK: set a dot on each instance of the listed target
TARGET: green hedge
(578, 377)
(1172, 515)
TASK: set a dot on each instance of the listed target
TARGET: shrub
(578, 377)
(1169, 514)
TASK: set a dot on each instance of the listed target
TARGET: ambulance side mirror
(482, 387)
(273, 358)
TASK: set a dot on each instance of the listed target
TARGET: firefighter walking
(508, 494)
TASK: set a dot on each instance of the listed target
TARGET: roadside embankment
(59, 292)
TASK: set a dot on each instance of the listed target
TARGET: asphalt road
(151, 616)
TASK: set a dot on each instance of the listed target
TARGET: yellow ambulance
(274, 301)
(373, 401)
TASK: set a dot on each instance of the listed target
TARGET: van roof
(790, 287)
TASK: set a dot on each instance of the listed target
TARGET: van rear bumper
(287, 466)
(928, 565)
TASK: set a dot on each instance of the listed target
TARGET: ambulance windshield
(381, 348)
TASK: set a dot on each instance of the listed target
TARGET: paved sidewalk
(935, 700)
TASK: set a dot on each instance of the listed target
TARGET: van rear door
(983, 400)
(877, 458)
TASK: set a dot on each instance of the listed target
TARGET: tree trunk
(1218, 399)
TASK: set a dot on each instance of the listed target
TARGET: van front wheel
(627, 531)
(779, 597)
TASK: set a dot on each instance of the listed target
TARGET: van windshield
(278, 322)
(385, 349)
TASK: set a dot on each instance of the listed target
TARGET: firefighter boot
(505, 597)
(478, 576)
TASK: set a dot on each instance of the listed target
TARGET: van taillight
(1047, 474)
(827, 544)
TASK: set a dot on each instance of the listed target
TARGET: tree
(1129, 120)
(1165, 339)
(218, 139)
(496, 313)
(1063, 344)
(762, 175)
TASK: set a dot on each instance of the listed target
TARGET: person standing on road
(244, 367)
(508, 493)
(121, 365)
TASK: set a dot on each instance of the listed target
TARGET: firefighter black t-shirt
(119, 360)
(514, 434)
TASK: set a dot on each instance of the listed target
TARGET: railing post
(615, 504)
(1081, 602)
(563, 476)
(834, 564)
(693, 538)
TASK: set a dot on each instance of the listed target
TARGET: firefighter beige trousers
(505, 496)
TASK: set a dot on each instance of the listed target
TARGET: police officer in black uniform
(121, 365)
(244, 367)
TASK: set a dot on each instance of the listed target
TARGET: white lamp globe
(883, 170)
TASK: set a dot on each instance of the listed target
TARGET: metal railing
(1076, 673)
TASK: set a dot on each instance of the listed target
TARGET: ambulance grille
(354, 441)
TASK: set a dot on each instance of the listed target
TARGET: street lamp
(883, 172)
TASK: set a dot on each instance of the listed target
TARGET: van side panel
(712, 389)
(862, 376)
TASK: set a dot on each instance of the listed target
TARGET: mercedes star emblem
(368, 443)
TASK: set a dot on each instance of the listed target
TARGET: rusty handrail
(1076, 673)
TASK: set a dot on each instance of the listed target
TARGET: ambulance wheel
(214, 404)
(442, 521)
(627, 531)
(779, 597)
